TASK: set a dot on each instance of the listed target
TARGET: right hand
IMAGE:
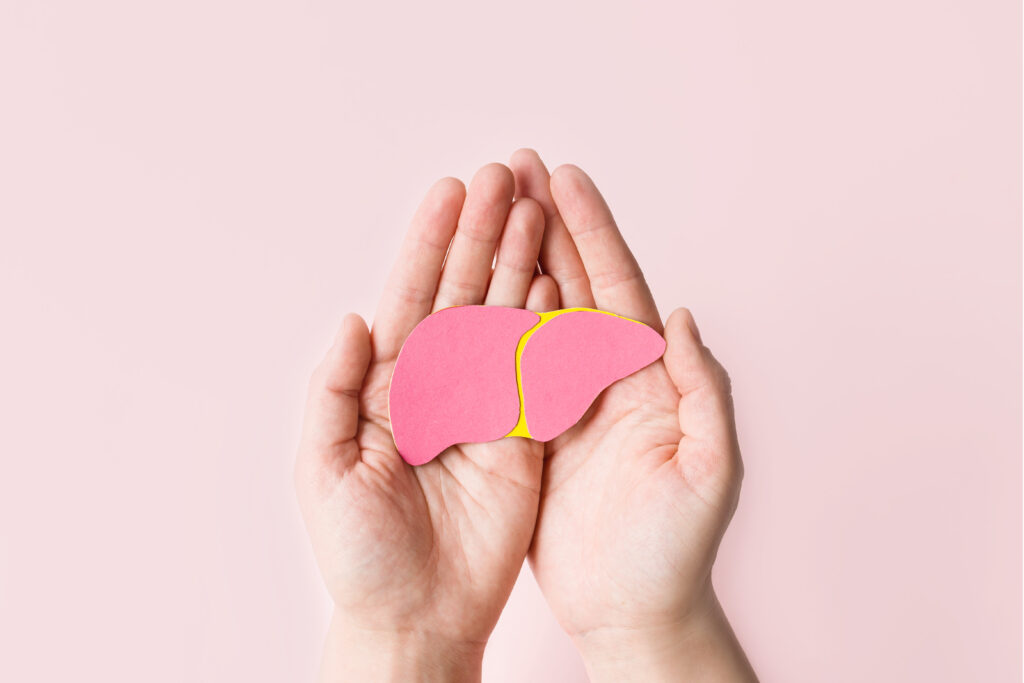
(636, 496)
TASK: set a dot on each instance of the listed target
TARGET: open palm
(637, 495)
(431, 550)
(621, 515)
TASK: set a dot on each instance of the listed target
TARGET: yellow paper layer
(521, 429)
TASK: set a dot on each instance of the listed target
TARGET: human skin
(636, 496)
(420, 561)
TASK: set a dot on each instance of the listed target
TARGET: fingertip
(438, 213)
(682, 317)
(448, 189)
(533, 180)
(348, 357)
(524, 156)
(683, 357)
(529, 215)
(568, 176)
(563, 169)
(494, 180)
(570, 188)
(450, 183)
(354, 324)
(543, 295)
(690, 363)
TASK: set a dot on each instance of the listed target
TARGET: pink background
(192, 194)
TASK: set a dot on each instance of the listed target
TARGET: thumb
(332, 405)
(706, 415)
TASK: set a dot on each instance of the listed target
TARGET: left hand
(420, 560)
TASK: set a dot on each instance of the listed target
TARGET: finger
(705, 404)
(517, 255)
(558, 255)
(409, 293)
(332, 405)
(468, 267)
(543, 296)
(615, 278)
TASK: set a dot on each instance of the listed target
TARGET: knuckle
(614, 278)
(518, 263)
(595, 228)
(410, 294)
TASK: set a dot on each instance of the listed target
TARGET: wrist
(700, 646)
(354, 653)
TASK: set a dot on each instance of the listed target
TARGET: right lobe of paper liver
(569, 360)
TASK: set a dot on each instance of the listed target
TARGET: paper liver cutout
(480, 373)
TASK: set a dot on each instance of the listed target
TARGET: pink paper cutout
(455, 380)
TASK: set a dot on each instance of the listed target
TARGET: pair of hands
(620, 516)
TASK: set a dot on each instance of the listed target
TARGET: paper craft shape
(469, 374)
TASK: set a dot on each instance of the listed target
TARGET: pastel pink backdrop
(192, 194)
